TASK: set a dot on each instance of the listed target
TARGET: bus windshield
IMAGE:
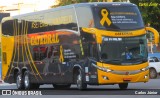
(118, 18)
(123, 51)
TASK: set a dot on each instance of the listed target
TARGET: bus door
(55, 65)
(58, 64)
(53, 56)
(92, 61)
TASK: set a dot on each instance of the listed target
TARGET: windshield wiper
(111, 60)
(135, 60)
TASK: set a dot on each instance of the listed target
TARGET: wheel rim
(79, 79)
(26, 81)
(152, 74)
(18, 81)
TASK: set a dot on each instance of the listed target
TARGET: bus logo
(127, 73)
(105, 18)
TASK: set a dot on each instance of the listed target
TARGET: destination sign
(124, 33)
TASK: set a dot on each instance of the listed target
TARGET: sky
(25, 6)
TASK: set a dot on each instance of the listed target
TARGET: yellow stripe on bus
(30, 55)
(98, 32)
(25, 41)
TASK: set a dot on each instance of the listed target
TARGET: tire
(152, 73)
(62, 86)
(123, 86)
(27, 82)
(19, 81)
(79, 81)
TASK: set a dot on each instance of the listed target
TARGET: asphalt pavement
(103, 91)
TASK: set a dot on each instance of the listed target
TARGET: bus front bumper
(112, 78)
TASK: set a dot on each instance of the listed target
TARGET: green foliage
(67, 2)
(150, 10)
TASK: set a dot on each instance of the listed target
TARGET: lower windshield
(124, 51)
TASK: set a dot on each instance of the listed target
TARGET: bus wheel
(62, 86)
(123, 86)
(152, 73)
(27, 84)
(19, 81)
(80, 84)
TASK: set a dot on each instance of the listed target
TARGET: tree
(67, 2)
(150, 11)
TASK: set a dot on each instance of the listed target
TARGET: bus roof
(109, 4)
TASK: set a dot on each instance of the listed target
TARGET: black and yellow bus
(83, 44)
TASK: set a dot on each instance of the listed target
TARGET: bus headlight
(105, 78)
(146, 77)
(107, 70)
(144, 69)
(101, 68)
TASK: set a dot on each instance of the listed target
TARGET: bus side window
(36, 53)
(6, 25)
(55, 51)
(87, 13)
(36, 56)
(43, 52)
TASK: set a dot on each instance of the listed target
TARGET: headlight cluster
(144, 69)
(101, 68)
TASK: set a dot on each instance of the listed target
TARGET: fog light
(105, 78)
(146, 77)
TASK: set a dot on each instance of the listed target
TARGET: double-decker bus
(82, 44)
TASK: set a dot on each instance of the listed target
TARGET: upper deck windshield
(118, 18)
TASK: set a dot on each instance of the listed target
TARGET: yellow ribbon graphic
(104, 13)
(61, 59)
